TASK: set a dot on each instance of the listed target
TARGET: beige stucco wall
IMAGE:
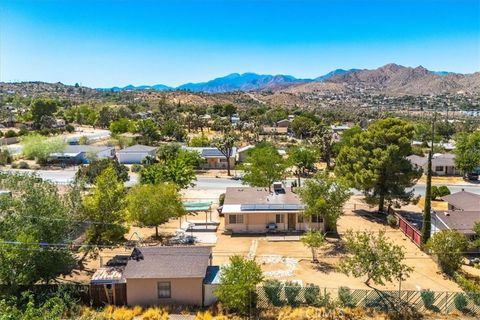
(184, 291)
(257, 222)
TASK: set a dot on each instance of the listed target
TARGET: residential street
(211, 183)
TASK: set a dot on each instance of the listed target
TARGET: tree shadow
(372, 216)
(323, 266)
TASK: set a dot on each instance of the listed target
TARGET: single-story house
(266, 130)
(461, 221)
(242, 152)
(463, 201)
(170, 276)
(258, 210)
(285, 123)
(442, 164)
(214, 158)
(135, 154)
(77, 154)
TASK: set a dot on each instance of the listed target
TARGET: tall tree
(41, 108)
(303, 159)
(375, 257)
(263, 166)
(467, 151)
(324, 196)
(226, 145)
(177, 171)
(427, 223)
(375, 162)
(90, 172)
(104, 206)
(151, 205)
(238, 281)
(36, 221)
(149, 131)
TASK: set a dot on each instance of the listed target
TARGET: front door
(292, 219)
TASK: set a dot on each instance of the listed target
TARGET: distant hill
(393, 78)
(243, 82)
(159, 87)
(397, 79)
(334, 73)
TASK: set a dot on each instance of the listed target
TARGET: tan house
(169, 276)
(258, 210)
(214, 158)
(442, 164)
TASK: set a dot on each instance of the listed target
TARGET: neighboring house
(78, 154)
(340, 128)
(285, 123)
(442, 164)
(266, 130)
(170, 276)
(463, 201)
(242, 153)
(214, 158)
(461, 221)
(135, 154)
(257, 210)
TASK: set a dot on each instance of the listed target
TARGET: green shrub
(324, 300)
(345, 297)
(5, 157)
(460, 302)
(10, 134)
(69, 128)
(221, 199)
(469, 286)
(23, 165)
(22, 132)
(292, 289)
(136, 168)
(273, 290)
(14, 165)
(392, 220)
(311, 294)
(443, 191)
(428, 297)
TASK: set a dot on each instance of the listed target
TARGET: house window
(164, 290)
(279, 218)
(439, 168)
(235, 218)
(300, 218)
(317, 219)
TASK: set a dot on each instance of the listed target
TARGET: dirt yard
(290, 260)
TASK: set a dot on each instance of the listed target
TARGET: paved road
(211, 183)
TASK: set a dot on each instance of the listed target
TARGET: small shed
(108, 286)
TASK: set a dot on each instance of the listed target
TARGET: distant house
(340, 128)
(258, 210)
(442, 164)
(461, 221)
(266, 130)
(463, 201)
(135, 154)
(285, 123)
(78, 154)
(170, 276)
(242, 153)
(214, 158)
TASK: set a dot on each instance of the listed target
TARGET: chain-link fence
(277, 294)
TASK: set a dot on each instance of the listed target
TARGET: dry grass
(436, 205)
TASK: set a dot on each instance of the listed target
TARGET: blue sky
(104, 43)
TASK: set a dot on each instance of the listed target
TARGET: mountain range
(391, 78)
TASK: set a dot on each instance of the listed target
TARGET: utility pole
(427, 212)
